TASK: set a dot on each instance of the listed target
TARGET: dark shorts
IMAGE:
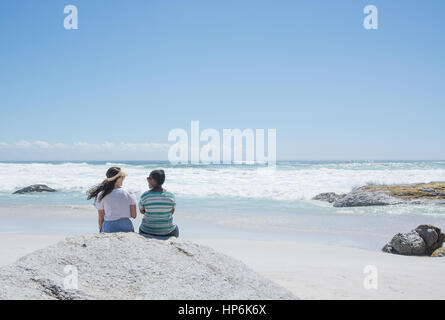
(174, 233)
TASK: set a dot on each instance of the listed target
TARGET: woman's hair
(158, 176)
(106, 186)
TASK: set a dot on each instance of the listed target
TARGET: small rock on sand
(423, 240)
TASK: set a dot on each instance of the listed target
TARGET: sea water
(228, 201)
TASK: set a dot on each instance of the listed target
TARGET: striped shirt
(158, 206)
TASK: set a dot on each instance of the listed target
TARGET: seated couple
(116, 206)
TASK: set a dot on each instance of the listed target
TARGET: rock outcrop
(35, 188)
(330, 197)
(382, 195)
(423, 240)
(361, 197)
(129, 266)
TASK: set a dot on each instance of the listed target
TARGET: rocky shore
(381, 195)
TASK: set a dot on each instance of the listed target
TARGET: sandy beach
(14, 246)
(310, 271)
(330, 272)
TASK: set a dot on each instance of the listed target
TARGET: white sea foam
(289, 181)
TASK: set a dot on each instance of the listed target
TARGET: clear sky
(134, 70)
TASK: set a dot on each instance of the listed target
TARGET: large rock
(381, 195)
(362, 197)
(35, 188)
(129, 266)
(330, 197)
(423, 240)
(409, 243)
(432, 236)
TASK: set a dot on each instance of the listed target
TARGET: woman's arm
(101, 217)
(133, 211)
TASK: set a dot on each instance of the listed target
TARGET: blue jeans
(174, 233)
(120, 225)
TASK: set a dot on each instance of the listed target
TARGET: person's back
(158, 206)
(115, 205)
(158, 216)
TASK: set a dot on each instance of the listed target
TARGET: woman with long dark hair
(114, 204)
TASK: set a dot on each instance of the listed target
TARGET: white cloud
(88, 146)
(81, 144)
(60, 145)
(43, 144)
(107, 145)
(143, 146)
(23, 144)
(43, 150)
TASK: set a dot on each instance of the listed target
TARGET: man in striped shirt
(158, 206)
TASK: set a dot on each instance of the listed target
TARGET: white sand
(14, 246)
(309, 271)
(329, 272)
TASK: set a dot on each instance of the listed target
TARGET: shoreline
(310, 271)
(370, 231)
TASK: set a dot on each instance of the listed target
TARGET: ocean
(228, 201)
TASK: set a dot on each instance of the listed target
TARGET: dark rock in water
(330, 197)
(423, 240)
(35, 188)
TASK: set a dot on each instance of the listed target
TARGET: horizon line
(281, 160)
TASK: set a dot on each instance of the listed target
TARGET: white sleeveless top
(116, 204)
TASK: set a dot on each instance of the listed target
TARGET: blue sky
(134, 70)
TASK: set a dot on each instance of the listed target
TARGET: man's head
(156, 179)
